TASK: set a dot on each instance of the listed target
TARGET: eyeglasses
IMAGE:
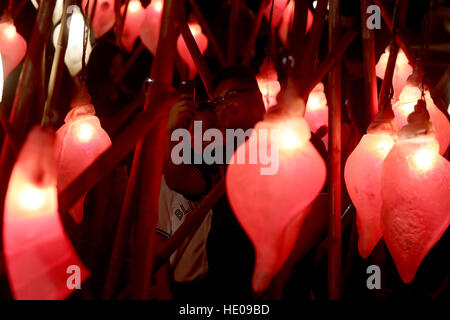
(230, 95)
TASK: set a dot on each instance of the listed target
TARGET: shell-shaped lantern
(149, 32)
(316, 113)
(132, 24)
(402, 71)
(273, 190)
(279, 6)
(405, 106)
(104, 16)
(268, 83)
(78, 143)
(362, 175)
(38, 254)
(183, 51)
(288, 18)
(74, 52)
(416, 204)
(12, 47)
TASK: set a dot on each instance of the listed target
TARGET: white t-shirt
(189, 262)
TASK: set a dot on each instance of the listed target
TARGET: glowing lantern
(416, 203)
(268, 84)
(362, 175)
(183, 51)
(402, 71)
(104, 16)
(1, 78)
(74, 51)
(12, 47)
(405, 106)
(288, 18)
(279, 7)
(57, 11)
(37, 251)
(272, 203)
(149, 33)
(79, 142)
(133, 22)
(316, 113)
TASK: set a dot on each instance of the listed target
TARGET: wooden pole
(232, 29)
(205, 27)
(370, 78)
(297, 39)
(334, 226)
(54, 86)
(149, 157)
(254, 33)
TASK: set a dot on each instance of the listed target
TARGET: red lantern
(104, 16)
(402, 71)
(288, 18)
(149, 32)
(416, 203)
(133, 22)
(74, 52)
(37, 251)
(316, 113)
(202, 43)
(12, 47)
(79, 142)
(363, 181)
(268, 84)
(271, 206)
(405, 106)
(279, 7)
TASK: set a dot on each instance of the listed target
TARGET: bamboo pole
(191, 224)
(334, 119)
(232, 28)
(312, 48)
(370, 78)
(54, 86)
(26, 95)
(254, 33)
(149, 157)
(197, 56)
(205, 27)
(297, 35)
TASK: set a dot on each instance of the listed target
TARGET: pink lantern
(416, 204)
(405, 106)
(39, 256)
(279, 7)
(268, 83)
(288, 18)
(12, 47)
(363, 181)
(272, 203)
(79, 142)
(149, 32)
(316, 113)
(133, 22)
(104, 16)
(402, 71)
(183, 51)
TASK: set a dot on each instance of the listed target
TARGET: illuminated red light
(268, 84)
(149, 32)
(12, 47)
(133, 21)
(202, 43)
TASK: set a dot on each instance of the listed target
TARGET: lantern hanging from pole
(57, 11)
(78, 143)
(12, 47)
(272, 196)
(104, 16)
(149, 32)
(362, 175)
(316, 113)
(38, 254)
(183, 51)
(279, 7)
(132, 24)
(74, 52)
(268, 83)
(287, 20)
(402, 71)
(405, 106)
(415, 191)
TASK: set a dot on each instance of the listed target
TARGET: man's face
(241, 106)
